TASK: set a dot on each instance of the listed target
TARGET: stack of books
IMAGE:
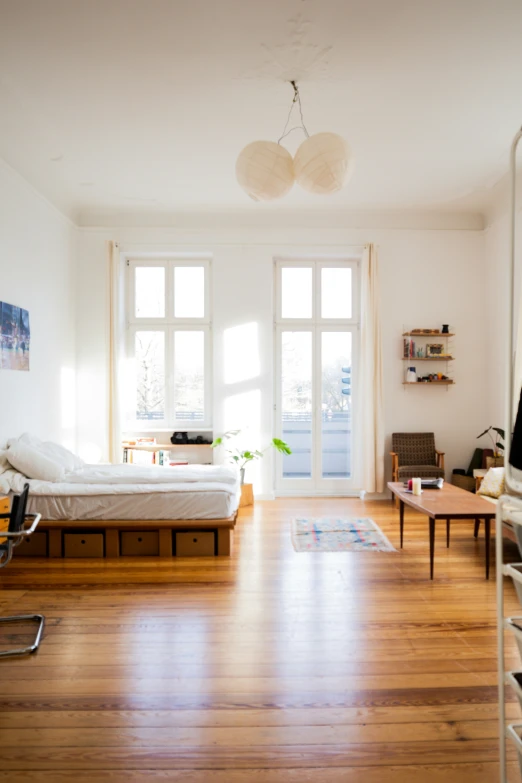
(409, 349)
(135, 454)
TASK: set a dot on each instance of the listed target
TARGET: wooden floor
(268, 666)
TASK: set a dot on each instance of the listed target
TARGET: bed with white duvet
(63, 487)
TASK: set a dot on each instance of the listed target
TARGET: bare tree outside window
(297, 380)
(150, 375)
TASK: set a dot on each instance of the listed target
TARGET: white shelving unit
(509, 508)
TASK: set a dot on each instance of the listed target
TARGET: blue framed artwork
(15, 337)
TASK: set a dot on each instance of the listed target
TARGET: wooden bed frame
(111, 528)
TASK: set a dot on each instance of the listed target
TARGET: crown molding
(284, 218)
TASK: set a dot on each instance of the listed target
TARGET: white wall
(428, 277)
(37, 272)
(496, 250)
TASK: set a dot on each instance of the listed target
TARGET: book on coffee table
(430, 483)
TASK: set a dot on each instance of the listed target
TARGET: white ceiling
(141, 106)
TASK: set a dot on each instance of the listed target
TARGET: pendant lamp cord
(296, 99)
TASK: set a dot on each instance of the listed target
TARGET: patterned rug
(339, 535)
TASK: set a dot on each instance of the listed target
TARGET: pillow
(33, 463)
(4, 464)
(27, 439)
(493, 483)
(53, 451)
(61, 455)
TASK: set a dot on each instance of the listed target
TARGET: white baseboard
(265, 496)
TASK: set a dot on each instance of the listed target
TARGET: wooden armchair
(414, 455)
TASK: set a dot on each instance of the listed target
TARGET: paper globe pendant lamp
(323, 163)
(265, 170)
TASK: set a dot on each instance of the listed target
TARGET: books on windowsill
(161, 457)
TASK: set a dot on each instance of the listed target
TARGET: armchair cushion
(419, 471)
(414, 448)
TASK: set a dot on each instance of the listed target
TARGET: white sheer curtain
(116, 351)
(370, 417)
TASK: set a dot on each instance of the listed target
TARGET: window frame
(317, 265)
(169, 325)
(316, 484)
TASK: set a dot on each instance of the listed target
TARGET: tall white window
(317, 333)
(168, 345)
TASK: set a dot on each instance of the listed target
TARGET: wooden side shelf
(429, 359)
(429, 383)
(426, 334)
(422, 341)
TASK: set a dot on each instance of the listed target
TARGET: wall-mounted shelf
(429, 383)
(429, 343)
(426, 334)
(428, 359)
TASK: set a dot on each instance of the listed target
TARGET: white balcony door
(316, 360)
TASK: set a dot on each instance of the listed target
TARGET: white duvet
(130, 479)
(144, 474)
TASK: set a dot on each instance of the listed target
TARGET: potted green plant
(244, 457)
(497, 436)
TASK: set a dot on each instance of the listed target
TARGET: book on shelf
(161, 457)
(136, 457)
(409, 349)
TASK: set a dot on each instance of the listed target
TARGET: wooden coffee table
(447, 503)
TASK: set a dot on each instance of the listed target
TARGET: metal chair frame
(13, 537)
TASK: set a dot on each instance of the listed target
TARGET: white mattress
(189, 504)
(133, 492)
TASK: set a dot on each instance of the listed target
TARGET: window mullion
(169, 305)
(170, 406)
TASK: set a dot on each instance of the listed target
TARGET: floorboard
(264, 667)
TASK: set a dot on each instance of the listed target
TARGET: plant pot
(247, 495)
(494, 462)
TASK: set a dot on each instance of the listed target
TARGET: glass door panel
(296, 403)
(336, 404)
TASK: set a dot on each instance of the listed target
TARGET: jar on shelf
(411, 375)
